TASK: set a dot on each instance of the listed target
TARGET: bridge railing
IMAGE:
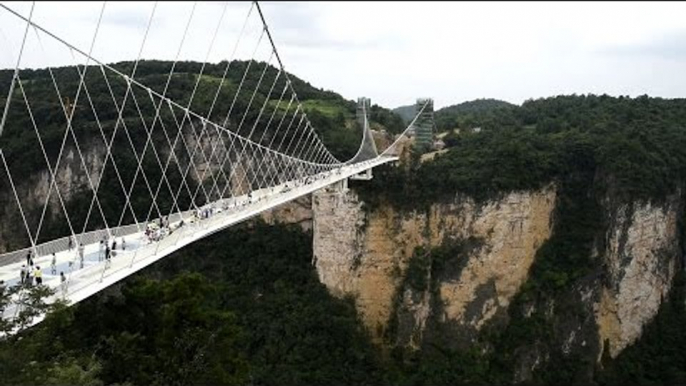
(91, 237)
(62, 244)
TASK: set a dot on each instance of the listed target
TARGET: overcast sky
(392, 52)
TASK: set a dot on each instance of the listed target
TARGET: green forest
(638, 146)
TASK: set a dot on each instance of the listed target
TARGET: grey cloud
(298, 25)
(290, 16)
(129, 19)
(670, 46)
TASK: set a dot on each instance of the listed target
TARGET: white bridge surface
(97, 274)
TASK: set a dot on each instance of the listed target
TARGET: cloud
(669, 46)
(128, 18)
(299, 25)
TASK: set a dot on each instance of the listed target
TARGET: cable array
(126, 149)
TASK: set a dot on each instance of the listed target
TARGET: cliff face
(71, 179)
(33, 191)
(366, 254)
(641, 255)
(294, 212)
(414, 296)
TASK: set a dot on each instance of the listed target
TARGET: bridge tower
(364, 104)
(367, 104)
(423, 127)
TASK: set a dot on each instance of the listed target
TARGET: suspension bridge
(180, 168)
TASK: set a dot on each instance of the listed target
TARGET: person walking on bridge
(81, 248)
(29, 277)
(107, 255)
(39, 276)
(53, 264)
(63, 282)
(22, 274)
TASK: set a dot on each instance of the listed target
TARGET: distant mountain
(477, 105)
(468, 114)
(407, 113)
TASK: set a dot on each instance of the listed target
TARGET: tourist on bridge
(29, 261)
(123, 244)
(102, 245)
(107, 253)
(63, 282)
(114, 244)
(22, 274)
(53, 264)
(81, 248)
(29, 278)
(71, 243)
(39, 276)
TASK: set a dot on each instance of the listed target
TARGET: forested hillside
(221, 98)
(407, 113)
(638, 144)
(328, 111)
(469, 114)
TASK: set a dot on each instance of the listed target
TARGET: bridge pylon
(368, 148)
(423, 127)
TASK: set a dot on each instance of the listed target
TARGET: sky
(391, 52)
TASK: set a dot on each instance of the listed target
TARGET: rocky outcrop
(294, 212)
(212, 164)
(33, 191)
(641, 256)
(366, 253)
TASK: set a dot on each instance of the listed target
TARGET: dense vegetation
(250, 311)
(406, 113)
(229, 107)
(49, 117)
(637, 146)
(470, 114)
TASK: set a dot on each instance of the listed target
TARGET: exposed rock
(33, 191)
(294, 212)
(366, 254)
(641, 255)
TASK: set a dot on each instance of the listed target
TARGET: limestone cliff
(33, 191)
(365, 254)
(295, 212)
(641, 255)
(373, 254)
